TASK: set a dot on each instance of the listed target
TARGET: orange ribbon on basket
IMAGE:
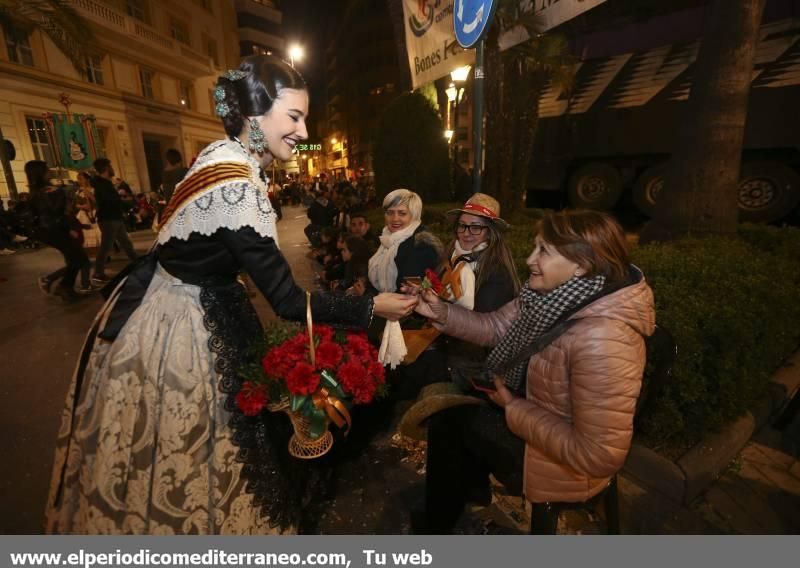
(333, 407)
(322, 398)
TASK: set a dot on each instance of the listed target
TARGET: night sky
(308, 23)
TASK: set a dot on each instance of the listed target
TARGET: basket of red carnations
(314, 375)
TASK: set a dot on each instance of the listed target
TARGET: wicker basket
(302, 445)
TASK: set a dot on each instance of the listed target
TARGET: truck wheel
(647, 188)
(767, 192)
(595, 186)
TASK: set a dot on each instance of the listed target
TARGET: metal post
(477, 119)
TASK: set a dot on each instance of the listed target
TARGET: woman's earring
(257, 143)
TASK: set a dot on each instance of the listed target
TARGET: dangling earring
(256, 141)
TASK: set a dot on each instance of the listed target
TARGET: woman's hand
(431, 306)
(503, 396)
(357, 289)
(394, 306)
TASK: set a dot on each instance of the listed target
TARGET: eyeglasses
(472, 229)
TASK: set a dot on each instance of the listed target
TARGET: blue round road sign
(471, 20)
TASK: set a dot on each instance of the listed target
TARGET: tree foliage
(410, 149)
(515, 79)
(57, 19)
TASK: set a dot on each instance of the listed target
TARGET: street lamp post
(459, 77)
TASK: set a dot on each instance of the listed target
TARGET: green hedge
(732, 306)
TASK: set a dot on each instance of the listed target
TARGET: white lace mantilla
(228, 205)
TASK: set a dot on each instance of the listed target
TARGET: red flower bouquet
(314, 381)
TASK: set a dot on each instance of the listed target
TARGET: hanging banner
(76, 139)
(549, 14)
(433, 51)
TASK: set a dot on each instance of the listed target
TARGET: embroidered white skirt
(148, 450)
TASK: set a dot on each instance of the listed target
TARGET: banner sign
(75, 137)
(549, 13)
(433, 51)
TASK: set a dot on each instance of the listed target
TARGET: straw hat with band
(484, 206)
(432, 399)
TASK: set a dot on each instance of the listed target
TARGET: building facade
(260, 27)
(362, 77)
(149, 82)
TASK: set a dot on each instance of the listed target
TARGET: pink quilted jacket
(577, 418)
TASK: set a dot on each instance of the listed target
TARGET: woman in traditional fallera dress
(151, 440)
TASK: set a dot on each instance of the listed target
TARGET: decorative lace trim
(281, 485)
(228, 205)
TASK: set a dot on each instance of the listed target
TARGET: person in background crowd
(86, 211)
(321, 213)
(359, 227)
(52, 227)
(109, 218)
(174, 172)
(145, 212)
(568, 359)
(125, 193)
(356, 254)
(8, 238)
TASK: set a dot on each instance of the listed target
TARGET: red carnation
(329, 355)
(276, 364)
(432, 281)
(378, 372)
(302, 379)
(357, 382)
(358, 347)
(252, 398)
(324, 332)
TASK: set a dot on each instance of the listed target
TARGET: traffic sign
(471, 20)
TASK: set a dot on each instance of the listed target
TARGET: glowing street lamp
(460, 74)
(448, 134)
(295, 52)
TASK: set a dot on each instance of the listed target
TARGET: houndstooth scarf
(539, 313)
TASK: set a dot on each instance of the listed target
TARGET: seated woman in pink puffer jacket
(567, 365)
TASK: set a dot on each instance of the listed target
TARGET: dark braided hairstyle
(254, 94)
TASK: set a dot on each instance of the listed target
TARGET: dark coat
(109, 203)
(417, 254)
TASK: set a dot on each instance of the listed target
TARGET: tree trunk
(493, 92)
(699, 196)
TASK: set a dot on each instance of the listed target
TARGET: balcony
(263, 9)
(118, 29)
(269, 41)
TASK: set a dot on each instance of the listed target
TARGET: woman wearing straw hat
(479, 272)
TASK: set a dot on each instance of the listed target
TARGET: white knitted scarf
(383, 275)
(467, 274)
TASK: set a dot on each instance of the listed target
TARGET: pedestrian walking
(109, 218)
(52, 227)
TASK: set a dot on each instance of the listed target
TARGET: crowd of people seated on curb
(541, 377)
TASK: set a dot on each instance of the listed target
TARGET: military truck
(613, 131)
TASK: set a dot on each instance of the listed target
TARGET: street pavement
(39, 342)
